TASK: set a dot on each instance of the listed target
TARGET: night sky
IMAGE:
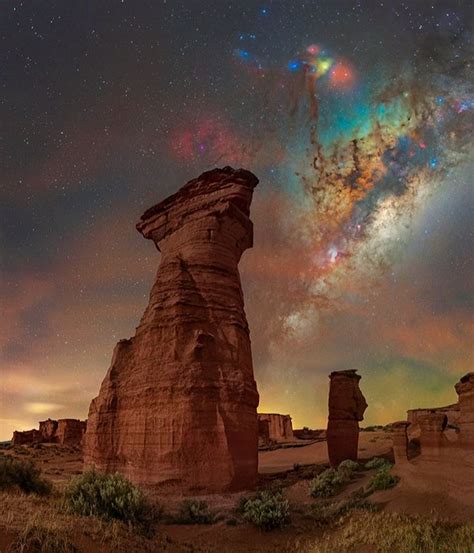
(355, 115)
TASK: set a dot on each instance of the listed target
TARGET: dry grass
(41, 536)
(394, 533)
(34, 518)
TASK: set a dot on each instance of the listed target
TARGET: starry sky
(355, 115)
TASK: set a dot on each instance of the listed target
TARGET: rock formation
(26, 437)
(70, 431)
(263, 432)
(346, 409)
(465, 390)
(451, 411)
(430, 426)
(279, 427)
(48, 430)
(432, 437)
(400, 441)
(62, 431)
(306, 433)
(177, 408)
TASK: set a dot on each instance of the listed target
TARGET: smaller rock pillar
(346, 409)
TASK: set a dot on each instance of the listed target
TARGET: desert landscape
(175, 457)
(236, 276)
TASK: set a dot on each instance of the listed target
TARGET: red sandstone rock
(178, 404)
(263, 432)
(48, 430)
(70, 431)
(280, 428)
(26, 437)
(64, 432)
(346, 409)
(465, 390)
(400, 441)
(432, 439)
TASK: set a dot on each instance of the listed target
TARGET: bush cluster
(327, 484)
(109, 496)
(378, 463)
(22, 474)
(193, 511)
(347, 468)
(382, 480)
(268, 510)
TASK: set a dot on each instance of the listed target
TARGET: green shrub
(23, 474)
(326, 484)
(378, 463)
(268, 510)
(382, 480)
(347, 468)
(38, 538)
(109, 496)
(193, 511)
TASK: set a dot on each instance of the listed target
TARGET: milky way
(357, 118)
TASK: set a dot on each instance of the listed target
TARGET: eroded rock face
(280, 428)
(70, 431)
(346, 408)
(48, 430)
(465, 390)
(178, 404)
(400, 441)
(62, 431)
(26, 437)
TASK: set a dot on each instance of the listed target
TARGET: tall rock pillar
(177, 407)
(346, 409)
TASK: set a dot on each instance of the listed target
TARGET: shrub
(193, 511)
(347, 468)
(326, 484)
(268, 510)
(37, 538)
(109, 496)
(382, 480)
(378, 463)
(23, 474)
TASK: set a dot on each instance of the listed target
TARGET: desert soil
(289, 468)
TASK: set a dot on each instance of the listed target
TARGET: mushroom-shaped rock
(177, 408)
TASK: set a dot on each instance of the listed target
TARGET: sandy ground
(371, 444)
(290, 468)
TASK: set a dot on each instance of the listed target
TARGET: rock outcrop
(278, 428)
(306, 433)
(70, 431)
(62, 431)
(346, 408)
(451, 411)
(431, 426)
(177, 408)
(48, 430)
(26, 437)
(400, 441)
(465, 390)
